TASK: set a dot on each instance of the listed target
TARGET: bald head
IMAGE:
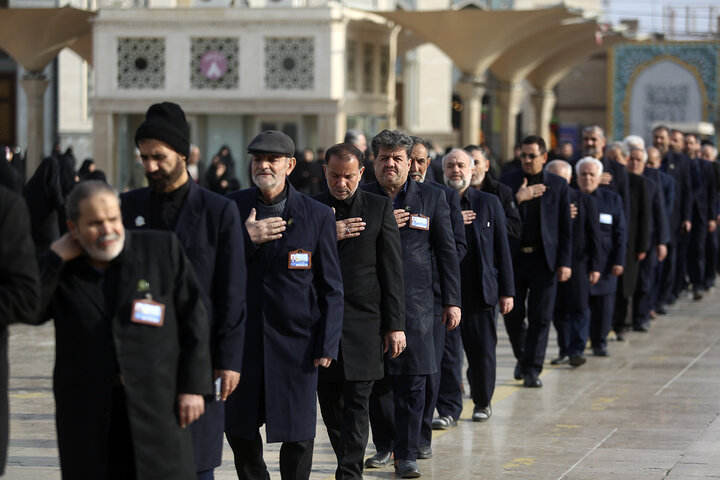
(560, 168)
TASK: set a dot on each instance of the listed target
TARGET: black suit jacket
(507, 200)
(638, 239)
(374, 294)
(94, 341)
(418, 247)
(677, 165)
(554, 217)
(19, 289)
(659, 225)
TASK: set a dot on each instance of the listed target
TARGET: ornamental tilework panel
(141, 63)
(289, 63)
(628, 59)
(214, 63)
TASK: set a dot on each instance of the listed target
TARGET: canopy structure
(511, 44)
(33, 37)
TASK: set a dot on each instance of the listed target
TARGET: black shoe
(697, 295)
(517, 374)
(619, 337)
(444, 422)
(577, 359)
(380, 459)
(600, 352)
(407, 469)
(640, 328)
(424, 452)
(559, 361)
(532, 381)
(481, 414)
(671, 300)
(661, 310)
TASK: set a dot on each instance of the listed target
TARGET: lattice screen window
(289, 63)
(368, 67)
(214, 63)
(141, 63)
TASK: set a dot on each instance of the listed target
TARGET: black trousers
(681, 263)
(479, 337)
(643, 296)
(121, 460)
(667, 276)
(601, 315)
(295, 459)
(432, 385)
(409, 401)
(711, 258)
(344, 406)
(449, 399)
(382, 415)
(696, 255)
(536, 284)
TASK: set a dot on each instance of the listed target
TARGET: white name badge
(420, 222)
(147, 312)
(606, 218)
(299, 260)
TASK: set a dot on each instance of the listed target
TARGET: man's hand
(606, 178)
(401, 217)
(641, 256)
(190, 407)
(349, 228)
(526, 193)
(661, 252)
(712, 226)
(506, 304)
(395, 342)
(573, 210)
(594, 277)
(686, 225)
(229, 381)
(617, 270)
(322, 362)
(564, 274)
(264, 230)
(66, 247)
(468, 216)
(451, 316)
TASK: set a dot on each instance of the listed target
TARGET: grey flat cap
(273, 142)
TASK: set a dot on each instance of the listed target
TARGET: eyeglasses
(531, 156)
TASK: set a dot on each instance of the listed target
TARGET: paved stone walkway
(649, 411)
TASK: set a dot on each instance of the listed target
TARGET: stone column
(544, 101)
(509, 98)
(471, 90)
(331, 128)
(104, 145)
(35, 84)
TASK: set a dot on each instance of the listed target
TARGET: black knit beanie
(166, 122)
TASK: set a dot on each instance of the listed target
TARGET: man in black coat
(132, 361)
(487, 279)
(482, 181)
(374, 313)
(423, 216)
(19, 289)
(295, 312)
(543, 258)
(211, 234)
(572, 313)
(659, 234)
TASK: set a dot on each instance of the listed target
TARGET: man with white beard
(132, 359)
(486, 277)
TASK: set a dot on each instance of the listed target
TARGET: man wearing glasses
(540, 260)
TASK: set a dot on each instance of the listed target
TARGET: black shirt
(530, 212)
(342, 207)
(165, 207)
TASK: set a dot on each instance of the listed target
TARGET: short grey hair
(594, 129)
(352, 136)
(619, 146)
(591, 160)
(456, 151)
(392, 139)
(559, 165)
(83, 191)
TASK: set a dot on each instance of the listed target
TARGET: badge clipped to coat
(419, 222)
(299, 260)
(148, 312)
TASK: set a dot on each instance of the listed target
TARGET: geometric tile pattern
(141, 63)
(289, 63)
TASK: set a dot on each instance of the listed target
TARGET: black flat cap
(273, 142)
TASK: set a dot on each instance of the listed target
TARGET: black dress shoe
(532, 381)
(424, 451)
(661, 310)
(407, 469)
(517, 374)
(577, 359)
(697, 295)
(444, 422)
(600, 352)
(559, 361)
(380, 459)
(640, 328)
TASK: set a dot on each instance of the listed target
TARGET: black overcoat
(294, 317)
(19, 289)
(374, 292)
(638, 239)
(613, 238)
(417, 249)
(210, 232)
(95, 341)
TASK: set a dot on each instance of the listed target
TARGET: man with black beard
(211, 234)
